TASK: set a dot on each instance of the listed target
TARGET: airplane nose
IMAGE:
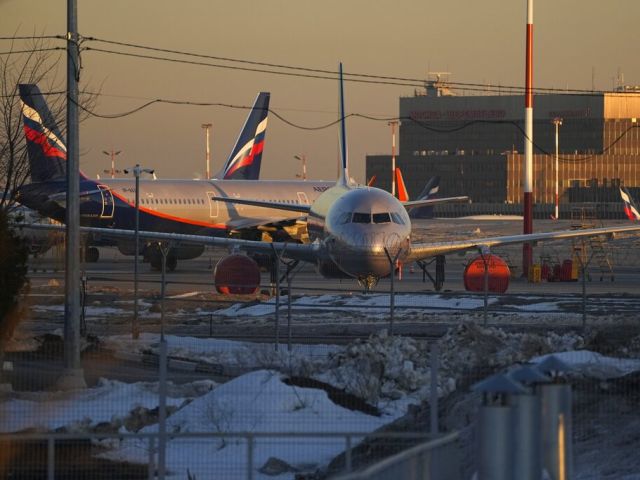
(365, 253)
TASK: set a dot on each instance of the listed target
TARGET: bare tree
(29, 60)
(32, 60)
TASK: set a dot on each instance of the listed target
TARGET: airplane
(355, 231)
(359, 232)
(430, 189)
(178, 206)
(630, 207)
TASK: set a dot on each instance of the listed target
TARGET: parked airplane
(429, 191)
(361, 232)
(178, 206)
(630, 207)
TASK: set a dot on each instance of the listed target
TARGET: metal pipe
(557, 122)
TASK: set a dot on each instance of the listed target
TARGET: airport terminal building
(476, 145)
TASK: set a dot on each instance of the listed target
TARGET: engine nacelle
(328, 269)
(237, 274)
(498, 270)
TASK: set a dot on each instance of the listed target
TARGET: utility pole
(303, 159)
(557, 122)
(73, 376)
(393, 124)
(207, 127)
(113, 170)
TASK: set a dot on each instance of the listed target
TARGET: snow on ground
(110, 401)
(595, 365)
(256, 402)
(373, 305)
(389, 372)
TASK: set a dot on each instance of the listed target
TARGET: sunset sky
(477, 41)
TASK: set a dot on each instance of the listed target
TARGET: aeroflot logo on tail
(50, 143)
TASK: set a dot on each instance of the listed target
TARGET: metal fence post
(433, 401)
(249, 456)
(347, 458)
(152, 459)
(51, 458)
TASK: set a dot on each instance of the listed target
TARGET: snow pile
(111, 404)
(595, 365)
(258, 402)
(469, 347)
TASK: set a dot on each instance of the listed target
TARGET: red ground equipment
(499, 274)
(237, 274)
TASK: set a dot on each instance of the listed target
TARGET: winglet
(344, 166)
(630, 207)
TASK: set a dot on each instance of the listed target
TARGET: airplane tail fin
(46, 148)
(630, 207)
(343, 178)
(430, 190)
(401, 188)
(245, 158)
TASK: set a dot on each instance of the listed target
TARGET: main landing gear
(438, 281)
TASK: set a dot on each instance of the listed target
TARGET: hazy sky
(477, 41)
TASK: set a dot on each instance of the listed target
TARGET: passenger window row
(171, 201)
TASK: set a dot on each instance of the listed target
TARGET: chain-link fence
(330, 382)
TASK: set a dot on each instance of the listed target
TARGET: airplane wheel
(156, 262)
(172, 262)
(91, 255)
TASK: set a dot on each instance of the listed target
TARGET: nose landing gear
(368, 282)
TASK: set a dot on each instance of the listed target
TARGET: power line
(33, 50)
(35, 37)
(332, 75)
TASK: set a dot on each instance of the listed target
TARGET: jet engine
(498, 274)
(237, 274)
(328, 269)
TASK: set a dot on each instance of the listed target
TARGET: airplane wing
(297, 251)
(292, 207)
(432, 201)
(424, 250)
(253, 222)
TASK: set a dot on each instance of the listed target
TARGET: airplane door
(108, 205)
(303, 198)
(213, 205)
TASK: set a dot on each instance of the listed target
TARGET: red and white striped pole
(527, 250)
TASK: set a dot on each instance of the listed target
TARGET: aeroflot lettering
(320, 189)
(458, 114)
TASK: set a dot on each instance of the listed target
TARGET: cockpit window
(361, 217)
(344, 217)
(397, 218)
(381, 218)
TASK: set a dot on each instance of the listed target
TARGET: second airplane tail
(630, 207)
(245, 158)
(46, 148)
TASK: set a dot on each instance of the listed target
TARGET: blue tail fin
(343, 178)
(430, 190)
(46, 147)
(630, 207)
(245, 158)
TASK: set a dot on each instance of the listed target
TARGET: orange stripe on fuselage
(166, 216)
